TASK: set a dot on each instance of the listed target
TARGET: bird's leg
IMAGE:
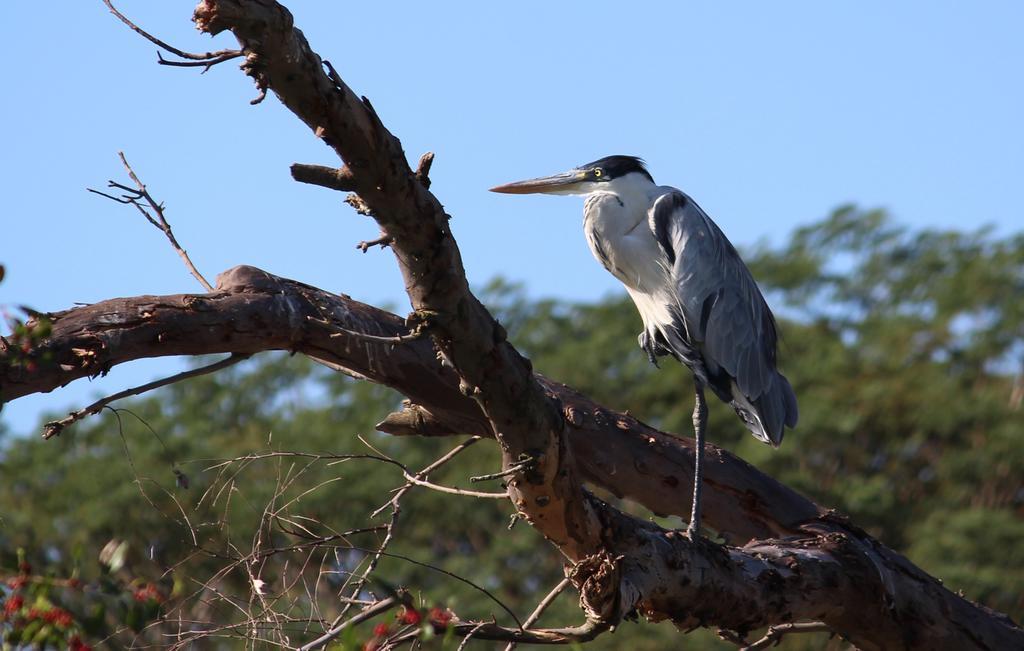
(700, 421)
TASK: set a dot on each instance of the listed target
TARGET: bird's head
(601, 175)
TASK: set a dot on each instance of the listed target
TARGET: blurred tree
(904, 347)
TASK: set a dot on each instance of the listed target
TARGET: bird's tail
(769, 414)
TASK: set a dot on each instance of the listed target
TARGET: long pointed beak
(557, 184)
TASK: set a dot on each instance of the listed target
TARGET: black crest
(614, 167)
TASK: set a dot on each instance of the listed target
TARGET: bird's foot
(649, 346)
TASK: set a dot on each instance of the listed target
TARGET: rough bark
(825, 566)
(254, 311)
(829, 570)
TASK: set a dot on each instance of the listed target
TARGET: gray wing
(726, 318)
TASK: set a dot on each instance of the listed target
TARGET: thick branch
(252, 311)
(835, 573)
(525, 422)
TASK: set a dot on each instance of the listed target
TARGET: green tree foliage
(904, 347)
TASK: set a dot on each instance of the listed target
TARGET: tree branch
(621, 565)
(55, 427)
(370, 612)
(139, 195)
(205, 60)
(252, 311)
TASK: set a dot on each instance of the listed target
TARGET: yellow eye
(598, 172)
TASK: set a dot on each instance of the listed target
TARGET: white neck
(632, 189)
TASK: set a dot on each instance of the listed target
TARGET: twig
(340, 178)
(416, 333)
(469, 636)
(381, 606)
(511, 470)
(423, 169)
(53, 428)
(395, 503)
(732, 637)
(492, 631)
(205, 65)
(541, 607)
(134, 197)
(453, 491)
(206, 59)
(448, 456)
(775, 633)
(382, 241)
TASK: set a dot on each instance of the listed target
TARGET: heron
(698, 301)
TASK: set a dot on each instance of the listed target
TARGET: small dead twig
(205, 60)
(53, 428)
(776, 633)
(541, 607)
(381, 606)
(519, 466)
(418, 332)
(732, 637)
(469, 636)
(396, 509)
(205, 64)
(423, 169)
(382, 241)
(451, 490)
(334, 178)
(489, 630)
(153, 211)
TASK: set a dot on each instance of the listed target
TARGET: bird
(697, 299)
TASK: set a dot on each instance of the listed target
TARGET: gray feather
(726, 317)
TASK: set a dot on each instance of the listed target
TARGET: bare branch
(206, 59)
(340, 179)
(518, 467)
(135, 197)
(469, 636)
(423, 169)
(541, 607)
(453, 491)
(370, 612)
(621, 564)
(776, 633)
(204, 64)
(55, 427)
(382, 241)
(417, 332)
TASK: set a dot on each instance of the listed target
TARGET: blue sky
(769, 114)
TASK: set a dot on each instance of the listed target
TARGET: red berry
(440, 617)
(14, 604)
(381, 630)
(76, 644)
(62, 618)
(410, 616)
